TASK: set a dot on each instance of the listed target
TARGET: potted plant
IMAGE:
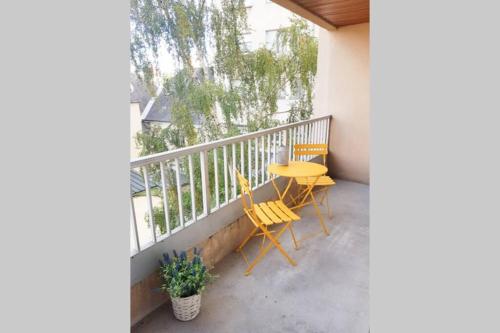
(184, 279)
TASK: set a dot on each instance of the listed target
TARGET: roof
(160, 111)
(137, 182)
(139, 93)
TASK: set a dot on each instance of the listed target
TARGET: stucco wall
(343, 90)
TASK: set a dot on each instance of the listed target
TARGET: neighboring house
(137, 185)
(139, 99)
(265, 18)
(145, 111)
(159, 112)
(138, 93)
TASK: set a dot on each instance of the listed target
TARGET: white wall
(263, 16)
(135, 126)
(343, 90)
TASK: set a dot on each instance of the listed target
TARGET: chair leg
(330, 214)
(325, 229)
(295, 245)
(273, 241)
(250, 235)
(263, 241)
(323, 197)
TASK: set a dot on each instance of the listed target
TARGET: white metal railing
(209, 170)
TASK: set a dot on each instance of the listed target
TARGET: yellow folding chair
(324, 182)
(263, 216)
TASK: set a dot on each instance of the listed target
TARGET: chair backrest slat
(245, 190)
(313, 149)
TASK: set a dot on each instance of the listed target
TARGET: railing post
(256, 162)
(306, 133)
(268, 155)
(226, 187)
(274, 147)
(233, 171)
(250, 162)
(323, 131)
(328, 124)
(179, 191)
(149, 202)
(242, 157)
(216, 178)
(191, 186)
(262, 157)
(204, 182)
(165, 196)
(136, 232)
(316, 132)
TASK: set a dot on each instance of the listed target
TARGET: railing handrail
(172, 154)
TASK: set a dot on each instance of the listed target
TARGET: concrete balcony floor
(326, 292)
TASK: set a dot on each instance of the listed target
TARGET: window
(271, 36)
(247, 42)
(295, 94)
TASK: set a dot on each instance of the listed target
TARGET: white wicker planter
(186, 308)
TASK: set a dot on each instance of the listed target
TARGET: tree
(220, 88)
(244, 86)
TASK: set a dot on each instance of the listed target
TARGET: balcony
(196, 189)
(197, 182)
(326, 292)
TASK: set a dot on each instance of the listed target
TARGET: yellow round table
(296, 169)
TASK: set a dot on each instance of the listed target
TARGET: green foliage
(193, 98)
(229, 22)
(182, 277)
(178, 24)
(261, 83)
(244, 86)
(152, 141)
(300, 54)
(159, 217)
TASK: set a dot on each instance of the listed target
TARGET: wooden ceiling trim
(335, 6)
(332, 13)
(345, 11)
(361, 14)
(305, 13)
(344, 23)
(357, 13)
(314, 3)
